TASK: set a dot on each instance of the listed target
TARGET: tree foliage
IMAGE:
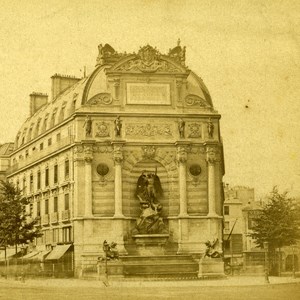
(16, 225)
(278, 222)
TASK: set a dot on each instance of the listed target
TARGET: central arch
(131, 205)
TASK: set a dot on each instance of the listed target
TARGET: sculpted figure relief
(210, 249)
(88, 126)
(148, 191)
(181, 127)
(118, 126)
(210, 128)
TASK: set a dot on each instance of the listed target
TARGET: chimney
(60, 83)
(37, 100)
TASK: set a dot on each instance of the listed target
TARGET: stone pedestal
(150, 244)
(211, 267)
(112, 267)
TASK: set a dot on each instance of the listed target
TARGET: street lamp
(266, 248)
(106, 250)
(294, 274)
(23, 253)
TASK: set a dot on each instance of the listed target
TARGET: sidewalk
(72, 283)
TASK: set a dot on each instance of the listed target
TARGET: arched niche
(131, 205)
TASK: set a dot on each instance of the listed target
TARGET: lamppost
(22, 272)
(106, 250)
(294, 274)
(266, 248)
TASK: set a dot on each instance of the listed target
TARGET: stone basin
(150, 244)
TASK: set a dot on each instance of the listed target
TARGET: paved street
(79, 289)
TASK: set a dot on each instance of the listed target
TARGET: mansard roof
(148, 62)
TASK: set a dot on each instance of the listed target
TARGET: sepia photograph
(150, 149)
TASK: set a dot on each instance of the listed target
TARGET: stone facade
(78, 158)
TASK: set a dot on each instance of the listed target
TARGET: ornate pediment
(138, 65)
(148, 60)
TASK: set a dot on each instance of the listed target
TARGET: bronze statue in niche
(148, 191)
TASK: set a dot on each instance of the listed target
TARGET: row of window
(41, 127)
(46, 205)
(56, 235)
(46, 179)
(40, 147)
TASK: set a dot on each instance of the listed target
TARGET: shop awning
(35, 255)
(58, 252)
(10, 252)
(30, 255)
(41, 255)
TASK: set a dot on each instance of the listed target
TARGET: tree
(16, 226)
(278, 223)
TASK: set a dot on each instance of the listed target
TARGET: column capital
(212, 154)
(118, 153)
(182, 151)
(88, 152)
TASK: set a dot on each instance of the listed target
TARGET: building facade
(81, 154)
(5, 151)
(240, 208)
(240, 249)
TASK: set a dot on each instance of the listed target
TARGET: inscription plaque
(148, 93)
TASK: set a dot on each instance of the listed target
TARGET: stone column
(211, 161)
(181, 160)
(88, 158)
(118, 158)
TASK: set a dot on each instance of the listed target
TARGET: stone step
(155, 263)
(160, 266)
(161, 269)
(156, 258)
(165, 275)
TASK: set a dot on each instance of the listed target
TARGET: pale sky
(246, 53)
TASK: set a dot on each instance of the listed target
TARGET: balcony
(54, 217)
(45, 220)
(65, 215)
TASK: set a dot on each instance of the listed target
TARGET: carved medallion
(195, 169)
(148, 129)
(102, 129)
(149, 152)
(148, 54)
(102, 169)
(194, 100)
(194, 130)
(100, 99)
